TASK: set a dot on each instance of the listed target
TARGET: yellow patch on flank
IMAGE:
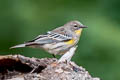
(78, 32)
(70, 41)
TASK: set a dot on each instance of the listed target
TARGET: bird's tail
(18, 46)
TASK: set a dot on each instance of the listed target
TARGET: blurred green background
(99, 46)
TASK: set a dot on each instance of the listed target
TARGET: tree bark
(18, 67)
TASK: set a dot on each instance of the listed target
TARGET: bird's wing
(50, 37)
(59, 37)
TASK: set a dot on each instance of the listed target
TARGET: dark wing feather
(50, 37)
(59, 37)
(38, 37)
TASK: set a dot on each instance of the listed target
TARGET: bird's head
(75, 26)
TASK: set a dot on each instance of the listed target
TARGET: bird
(57, 41)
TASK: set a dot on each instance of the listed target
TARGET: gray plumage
(54, 41)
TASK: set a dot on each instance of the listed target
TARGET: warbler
(59, 40)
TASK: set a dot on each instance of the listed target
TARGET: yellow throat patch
(70, 42)
(78, 32)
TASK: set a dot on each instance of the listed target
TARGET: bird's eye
(75, 25)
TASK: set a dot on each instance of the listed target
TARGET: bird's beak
(83, 26)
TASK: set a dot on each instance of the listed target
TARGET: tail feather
(18, 46)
